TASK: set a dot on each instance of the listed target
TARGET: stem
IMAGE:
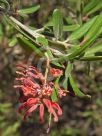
(31, 32)
(47, 67)
(35, 34)
(49, 125)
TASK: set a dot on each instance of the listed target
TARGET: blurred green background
(80, 117)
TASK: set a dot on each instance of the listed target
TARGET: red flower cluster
(55, 72)
(36, 93)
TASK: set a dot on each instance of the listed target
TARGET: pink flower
(61, 92)
(36, 93)
(51, 106)
(33, 103)
(41, 111)
(47, 90)
(56, 72)
(28, 86)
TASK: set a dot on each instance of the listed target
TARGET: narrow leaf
(76, 89)
(95, 28)
(67, 74)
(54, 95)
(57, 23)
(90, 37)
(29, 10)
(71, 27)
(82, 30)
(55, 90)
(27, 45)
(96, 8)
(91, 58)
(90, 6)
(94, 49)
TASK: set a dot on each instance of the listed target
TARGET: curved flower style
(37, 93)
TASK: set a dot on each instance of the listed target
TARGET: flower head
(36, 93)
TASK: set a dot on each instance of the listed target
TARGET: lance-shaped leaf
(55, 90)
(24, 30)
(91, 58)
(96, 48)
(90, 37)
(57, 23)
(81, 31)
(71, 27)
(92, 7)
(31, 34)
(76, 89)
(68, 70)
(29, 10)
(28, 45)
(94, 31)
(54, 95)
(96, 8)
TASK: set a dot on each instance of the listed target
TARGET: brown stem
(47, 67)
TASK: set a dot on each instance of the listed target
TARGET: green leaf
(71, 27)
(54, 95)
(68, 70)
(4, 107)
(96, 8)
(73, 49)
(57, 23)
(92, 7)
(90, 37)
(79, 11)
(29, 46)
(42, 40)
(55, 90)
(45, 43)
(57, 81)
(1, 30)
(11, 130)
(76, 89)
(70, 20)
(88, 113)
(95, 29)
(24, 30)
(82, 30)
(29, 10)
(28, 33)
(91, 58)
(49, 23)
(94, 49)
(99, 102)
(12, 42)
